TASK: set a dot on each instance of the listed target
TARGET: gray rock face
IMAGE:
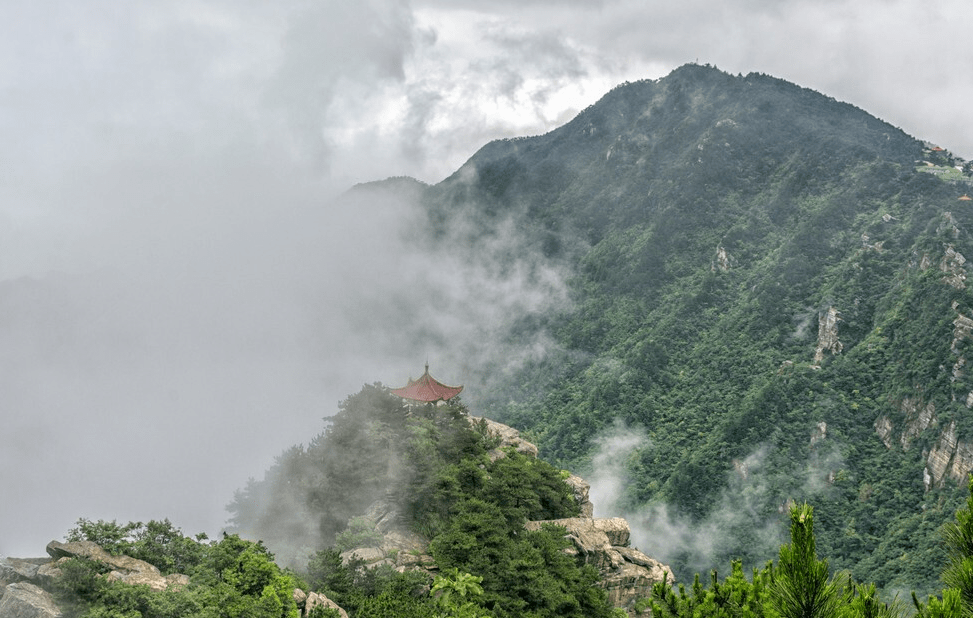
(124, 568)
(828, 334)
(627, 574)
(13, 570)
(314, 599)
(25, 600)
(509, 438)
(581, 490)
(949, 458)
(371, 556)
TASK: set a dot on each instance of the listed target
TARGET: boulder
(593, 539)
(314, 599)
(123, 568)
(25, 600)
(615, 530)
(626, 573)
(47, 573)
(13, 570)
(627, 584)
(368, 555)
(300, 597)
(77, 549)
(403, 541)
(657, 570)
(409, 560)
(508, 436)
(581, 490)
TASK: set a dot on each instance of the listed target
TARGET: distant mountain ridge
(761, 283)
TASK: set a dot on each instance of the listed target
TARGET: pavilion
(427, 389)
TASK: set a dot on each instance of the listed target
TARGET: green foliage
(803, 587)
(735, 597)
(157, 542)
(957, 598)
(457, 593)
(705, 223)
(524, 573)
(232, 578)
(360, 533)
(374, 447)
(799, 585)
(959, 542)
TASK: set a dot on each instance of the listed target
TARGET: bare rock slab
(25, 600)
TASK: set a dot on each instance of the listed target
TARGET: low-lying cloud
(747, 507)
(180, 296)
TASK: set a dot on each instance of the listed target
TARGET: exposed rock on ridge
(24, 583)
(626, 573)
(947, 459)
(124, 568)
(828, 334)
(25, 600)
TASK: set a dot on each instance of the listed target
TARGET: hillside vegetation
(763, 287)
(766, 292)
(431, 463)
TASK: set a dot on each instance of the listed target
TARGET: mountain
(764, 301)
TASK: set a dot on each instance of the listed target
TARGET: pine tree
(802, 586)
(957, 601)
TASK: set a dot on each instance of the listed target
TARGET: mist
(753, 503)
(183, 295)
(186, 288)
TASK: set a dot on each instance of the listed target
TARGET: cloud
(180, 298)
(608, 478)
(331, 48)
(748, 513)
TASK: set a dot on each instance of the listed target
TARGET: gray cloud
(751, 505)
(179, 298)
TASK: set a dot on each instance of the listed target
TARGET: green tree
(803, 587)
(959, 543)
(957, 597)
(457, 595)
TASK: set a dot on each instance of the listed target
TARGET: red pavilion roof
(427, 389)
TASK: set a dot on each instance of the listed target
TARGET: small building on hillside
(427, 389)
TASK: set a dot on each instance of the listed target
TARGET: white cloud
(167, 169)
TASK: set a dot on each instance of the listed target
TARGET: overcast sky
(178, 301)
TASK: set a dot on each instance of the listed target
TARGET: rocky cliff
(26, 585)
(627, 574)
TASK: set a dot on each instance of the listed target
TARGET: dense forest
(432, 463)
(763, 287)
(472, 508)
(766, 285)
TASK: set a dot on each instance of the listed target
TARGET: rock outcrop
(26, 600)
(24, 582)
(952, 266)
(13, 570)
(949, 458)
(315, 599)
(123, 568)
(508, 436)
(828, 334)
(627, 573)
(398, 546)
(581, 490)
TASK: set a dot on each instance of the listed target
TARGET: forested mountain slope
(765, 288)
